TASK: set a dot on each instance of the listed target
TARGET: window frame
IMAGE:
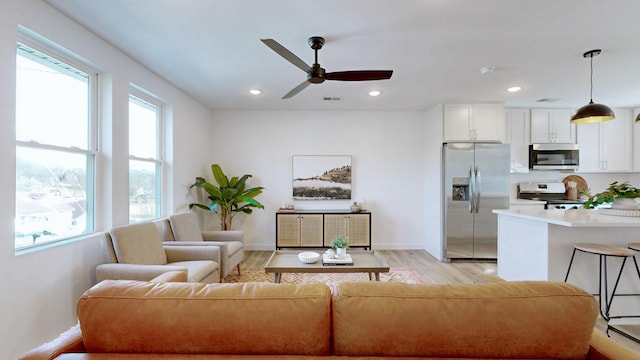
(26, 44)
(138, 94)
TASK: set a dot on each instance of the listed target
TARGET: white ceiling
(212, 49)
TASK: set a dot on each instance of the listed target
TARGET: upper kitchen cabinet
(606, 146)
(636, 142)
(518, 135)
(474, 122)
(552, 126)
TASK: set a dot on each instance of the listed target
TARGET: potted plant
(621, 195)
(228, 197)
(340, 244)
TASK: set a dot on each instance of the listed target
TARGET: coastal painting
(321, 177)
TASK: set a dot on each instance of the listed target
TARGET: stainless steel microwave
(554, 157)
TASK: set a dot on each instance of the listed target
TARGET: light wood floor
(433, 272)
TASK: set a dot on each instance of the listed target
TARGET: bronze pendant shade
(592, 113)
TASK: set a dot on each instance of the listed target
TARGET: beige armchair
(186, 230)
(136, 252)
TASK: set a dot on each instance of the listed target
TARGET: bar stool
(604, 251)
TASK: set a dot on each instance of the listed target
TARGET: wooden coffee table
(286, 261)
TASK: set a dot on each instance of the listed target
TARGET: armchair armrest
(192, 252)
(219, 235)
(69, 341)
(140, 272)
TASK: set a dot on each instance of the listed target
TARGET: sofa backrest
(138, 243)
(247, 318)
(511, 320)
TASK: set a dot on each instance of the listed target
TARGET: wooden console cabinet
(316, 229)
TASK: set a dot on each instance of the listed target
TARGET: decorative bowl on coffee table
(308, 257)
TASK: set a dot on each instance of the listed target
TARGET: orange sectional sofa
(123, 319)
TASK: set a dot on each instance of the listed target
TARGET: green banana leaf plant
(228, 197)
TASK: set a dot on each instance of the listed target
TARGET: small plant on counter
(614, 191)
(340, 242)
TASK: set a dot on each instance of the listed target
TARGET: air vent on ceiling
(547, 100)
(329, 98)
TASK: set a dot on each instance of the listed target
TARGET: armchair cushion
(138, 244)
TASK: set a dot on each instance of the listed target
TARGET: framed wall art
(321, 177)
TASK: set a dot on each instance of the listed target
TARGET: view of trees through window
(54, 158)
(144, 159)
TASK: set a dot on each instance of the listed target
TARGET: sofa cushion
(185, 227)
(122, 316)
(138, 244)
(513, 320)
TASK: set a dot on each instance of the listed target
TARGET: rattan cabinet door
(354, 226)
(358, 228)
(311, 230)
(288, 230)
(299, 230)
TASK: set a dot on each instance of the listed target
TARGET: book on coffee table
(346, 260)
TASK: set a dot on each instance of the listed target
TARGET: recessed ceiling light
(514, 89)
(255, 91)
(374, 92)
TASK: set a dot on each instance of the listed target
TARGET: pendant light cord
(591, 88)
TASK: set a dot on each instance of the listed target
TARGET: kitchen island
(537, 245)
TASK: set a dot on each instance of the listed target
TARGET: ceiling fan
(317, 74)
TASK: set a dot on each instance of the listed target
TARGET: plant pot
(625, 204)
(341, 252)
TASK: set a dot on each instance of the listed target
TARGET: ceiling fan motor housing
(316, 75)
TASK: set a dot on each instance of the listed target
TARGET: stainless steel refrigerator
(476, 181)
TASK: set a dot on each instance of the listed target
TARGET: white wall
(40, 289)
(392, 158)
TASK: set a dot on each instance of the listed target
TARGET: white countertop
(576, 218)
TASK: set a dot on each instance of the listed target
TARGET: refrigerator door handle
(472, 190)
(477, 188)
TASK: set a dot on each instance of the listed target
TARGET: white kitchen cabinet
(636, 142)
(552, 126)
(518, 135)
(474, 122)
(606, 146)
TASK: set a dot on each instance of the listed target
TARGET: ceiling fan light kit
(317, 74)
(592, 112)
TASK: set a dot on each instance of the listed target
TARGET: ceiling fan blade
(288, 55)
(297, 89)
(359, 75)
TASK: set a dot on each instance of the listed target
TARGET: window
(55, 146)
(145, 157)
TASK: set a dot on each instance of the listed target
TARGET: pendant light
(592, 113)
